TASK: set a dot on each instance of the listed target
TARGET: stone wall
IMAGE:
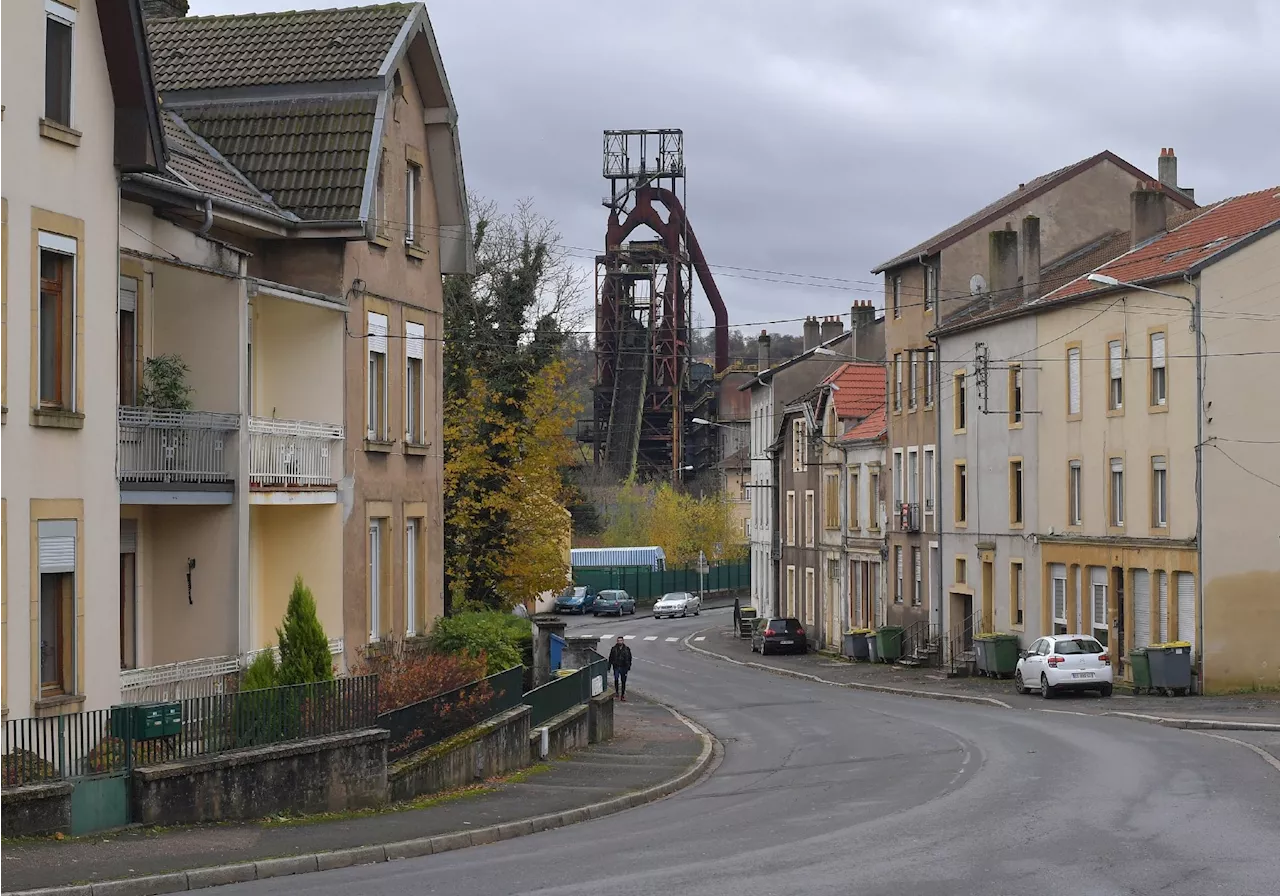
(36, 810)
(495, 747)
(568, 731)
(600, 718)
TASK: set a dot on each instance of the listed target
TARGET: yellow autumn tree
(680, 523)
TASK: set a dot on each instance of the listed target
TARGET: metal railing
(175, 446)
(427, 722)
(565, 692)
(206, 677)
(960, 649)
(909, 517)
(43, 750)
(920, 643)
(293, 453)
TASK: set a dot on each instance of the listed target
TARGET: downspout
(1199, 336)
(938, 490)
(208, 216)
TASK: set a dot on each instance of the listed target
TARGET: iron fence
(556, 696)
(644, 583)
(427, 722)
(175, 446)
(42, 750)
(293, 453)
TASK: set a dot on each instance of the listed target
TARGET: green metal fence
(563, 693)
(427, 722)
(39, 750)
(643, 583)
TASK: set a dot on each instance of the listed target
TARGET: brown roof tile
(860, 389)
(200, 166)
(210, 52)
(875, 426)
(308, 155)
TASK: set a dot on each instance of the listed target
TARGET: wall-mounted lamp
(191, 564)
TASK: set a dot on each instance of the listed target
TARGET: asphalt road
(830, 791)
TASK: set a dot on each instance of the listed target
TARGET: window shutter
(1157, 350)
(128, 294)
(1187, 608)
(1163, 579)
(1073, 373)
(1117, 359)
(1098, 579)
(415, 340)
(57, 545)
(1058, 572)
(128, 536)
(378, 333)
(1141, 608)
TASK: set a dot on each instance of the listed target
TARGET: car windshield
(577, 591)
(677, 596)
(1077, 645)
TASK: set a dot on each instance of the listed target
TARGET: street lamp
(1106, 280)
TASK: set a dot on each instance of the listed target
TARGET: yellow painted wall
(297, 361)
(195, 315)
(285, 541)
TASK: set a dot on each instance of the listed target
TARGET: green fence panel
(556, 696)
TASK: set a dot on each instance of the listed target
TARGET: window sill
(1115, 412)
(414, 251)
(1158, 409)
(383, 242)
(1017, 527)
(378, 446)
(1074, 418)
(57, 418)
(59, 133)
(62, 705)
(1015, 425)
(416, 450)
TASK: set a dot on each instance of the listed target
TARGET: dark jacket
(620, 658)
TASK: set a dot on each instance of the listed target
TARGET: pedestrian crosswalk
(668, 639)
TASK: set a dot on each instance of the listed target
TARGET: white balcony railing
(207, 677)
(293, 453)
(175, 446)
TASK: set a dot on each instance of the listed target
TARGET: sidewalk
(650, 748)
(1228, 712)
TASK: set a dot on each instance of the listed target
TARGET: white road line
(651, 637)
(700, 638)
(629, 637)
(670, 640)
(606, 637)
(1066, 712)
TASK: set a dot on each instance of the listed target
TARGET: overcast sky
(825, 136)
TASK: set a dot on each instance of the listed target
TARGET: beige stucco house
(90, 118)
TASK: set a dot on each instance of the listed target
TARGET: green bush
(304, 647)
(500, 637)
(262, 672)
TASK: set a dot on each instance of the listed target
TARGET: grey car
(677, 603)
(613, 601)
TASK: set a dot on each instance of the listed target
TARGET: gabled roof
(195, 163)
(873, 428)
(860, 389)
(1207, 237)
(139, 142)
(1015, 198)
(768, 374)
(314, 45)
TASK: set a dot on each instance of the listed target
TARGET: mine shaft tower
(648, 388)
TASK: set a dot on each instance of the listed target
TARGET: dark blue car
(576, 599)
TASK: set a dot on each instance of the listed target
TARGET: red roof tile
(860, 389)
(1219, 228)
(871, 428)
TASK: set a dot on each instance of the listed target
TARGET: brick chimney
(1147, 213)
(1030, 257)
(832, 327)
(762, 346)
(812, 332)
(1003, 261)
(164, 9)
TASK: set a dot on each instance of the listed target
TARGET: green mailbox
(146, 721)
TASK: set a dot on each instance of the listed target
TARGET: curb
(243, 872)
(1197, 724)
(851, 685)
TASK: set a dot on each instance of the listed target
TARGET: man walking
(620, 663)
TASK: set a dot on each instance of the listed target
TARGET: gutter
(155, 182)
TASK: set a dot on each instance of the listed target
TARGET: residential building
(66, 143)
(865, 518)
(1074, 210)
(733, 432)
(344, 121)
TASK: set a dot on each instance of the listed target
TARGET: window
(1162, 605)
(797, 446)
(57, 560)
(1186, 585)
(897, 480)
(127, 350)
(1115, 380)
(57, 322)
(1075, 494)
(377, 569)
(897, 381)
(1073, 381)
(897, 562)
(413, 577)
(961, 499)
(1015, 493)
(1017, 592)
(415, 432)
(913, 381)
(1117, 491)
(412, 203)
(746, 528)
(853, 500)
(928, 480)
(808, 595)
(961, 411)
(897, 297)
(1159, 383)
(1058, 578)
(1159, 493)
(930, 287)
(791, 590)
(962, 571)
(58, 23)
(913, 476)
(917, 594)
(831, 501)
(791, 518)
(930, 386)
(1098, 602)
(873, 500)
(377, 408)
(1015, 395)
(810, 518)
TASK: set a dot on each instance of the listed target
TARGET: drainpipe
(936, 574)
(208, 216)
(1199, 336)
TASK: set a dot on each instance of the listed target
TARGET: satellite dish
(977, 285)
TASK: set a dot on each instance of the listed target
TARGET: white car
(1059, 663)
(677, 603)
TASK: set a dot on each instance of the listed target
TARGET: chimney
(1003, 261)
(1147, 213)
(1168, 168)
(832, 327)
(1030, 260)
(812, 332)
(164, 9)
(763, 347)
(863, 315)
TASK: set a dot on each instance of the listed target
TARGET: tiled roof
(1205, 235)
(209, 52)
(1012, 200)
(874, 427)
(308, 155)
(198, 165)
(860, 389)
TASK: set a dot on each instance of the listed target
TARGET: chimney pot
(1168, 168)
(832, 326)
(812, 332)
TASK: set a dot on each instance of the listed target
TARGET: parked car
(576, 599)
(613, 601)
(677, 603)
(1060, 663)
(778, 635)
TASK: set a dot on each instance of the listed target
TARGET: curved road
(825, 790)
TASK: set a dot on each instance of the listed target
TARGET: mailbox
(146, 721)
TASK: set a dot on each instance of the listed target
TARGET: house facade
(863, 487)
(66, 144)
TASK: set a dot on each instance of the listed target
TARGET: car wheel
(1018, 686)
(764, 648)
(1105, 690)
(1046, 692)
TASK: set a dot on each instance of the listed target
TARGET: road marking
(1066, 712)
(605, 637)
(700, 638)
(1266, 757)
(651, 637)
(629, 637)
(670, 640)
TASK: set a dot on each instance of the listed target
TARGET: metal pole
(1195, 323)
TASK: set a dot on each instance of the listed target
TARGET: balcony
(294, 455)
(908, 517)
(207, 677)
(176, 453)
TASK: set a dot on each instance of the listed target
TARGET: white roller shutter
(1187, 609)
(57, 546)
(1141, 608)
(1073, 376)
(1116, 353)
(128, 536)
(378, 333)
(1157, 350)
(1080, 600)
(1058, 573)
(1098, 593)
(1162, 580)
(128, 294)
(415, 340)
